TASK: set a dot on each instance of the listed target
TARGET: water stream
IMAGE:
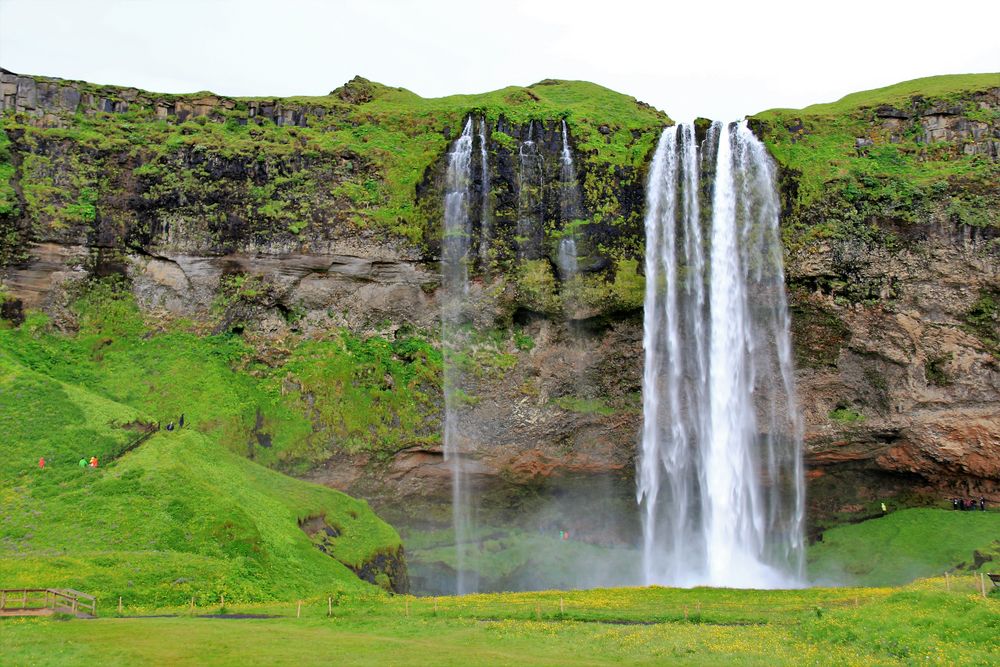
(720, 473)
(569, 208)
(455, 259)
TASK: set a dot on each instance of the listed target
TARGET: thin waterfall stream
(455, 259)
(569, 209)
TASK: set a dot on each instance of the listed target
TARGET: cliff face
(288, 219)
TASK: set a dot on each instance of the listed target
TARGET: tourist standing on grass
(93, 461)
(884, 510)
(41, 463)
(982, 503)
(180, 422)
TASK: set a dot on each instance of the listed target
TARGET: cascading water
(530, 185)
(720, 471)
(455, 260)
(486, 219)
(569, 207)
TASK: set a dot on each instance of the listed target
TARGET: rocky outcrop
(386, 569)
(902, 390)
(940, 122)
(48, 101)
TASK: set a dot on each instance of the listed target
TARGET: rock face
(895, 330)
(900, 392)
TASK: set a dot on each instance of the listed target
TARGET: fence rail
(32, 601)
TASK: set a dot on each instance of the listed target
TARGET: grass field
(905, 545)
(920, 624)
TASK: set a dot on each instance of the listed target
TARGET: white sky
(717, 59)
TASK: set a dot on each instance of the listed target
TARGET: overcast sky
(716, 59)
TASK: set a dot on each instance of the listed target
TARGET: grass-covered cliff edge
(270, 266)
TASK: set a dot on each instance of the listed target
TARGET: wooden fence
(42, 601)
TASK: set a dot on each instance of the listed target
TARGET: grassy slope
(177, 517)
(904, 545)
(922, 624)
(308, 395)
(934, 87)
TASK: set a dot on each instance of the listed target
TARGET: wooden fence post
(406, 603)
(119, 604)
(222, 599)
(947, 582)
(982, 581)
(329, 607)
(298, 610)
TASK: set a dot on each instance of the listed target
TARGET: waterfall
(455, 289)
(530, 185)
(569, 207)
(720, 471)
(486, 220)
(566, 258)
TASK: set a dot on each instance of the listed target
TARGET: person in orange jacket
(93, 461)
(41, 462)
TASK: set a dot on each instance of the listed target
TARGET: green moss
(846, 415)
(585, 406)
(537, 288)
(983, 320)
(8, 197)
(934, 370)
(523, 341)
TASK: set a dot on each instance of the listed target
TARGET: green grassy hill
(906, 545)
(177, 517)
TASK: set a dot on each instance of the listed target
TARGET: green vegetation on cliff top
(944, 87)
(874, 156)
(360, 159)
